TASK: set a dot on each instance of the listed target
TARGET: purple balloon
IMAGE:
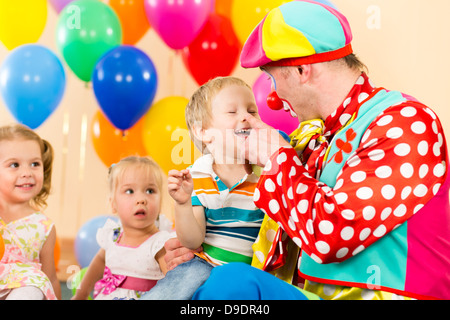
(58, 5)
(279, 119)
(178, 22)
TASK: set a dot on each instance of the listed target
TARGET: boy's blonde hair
(198, 110)
(18, 131)
(117, 170)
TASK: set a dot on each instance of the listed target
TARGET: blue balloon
(285, 135)
(124, 82)
(32, 83)
(86, 246)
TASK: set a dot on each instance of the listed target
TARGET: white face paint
(275, 102)
(287, 107)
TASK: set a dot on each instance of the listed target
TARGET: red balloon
(214, 52)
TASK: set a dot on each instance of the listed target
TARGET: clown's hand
(262, 142)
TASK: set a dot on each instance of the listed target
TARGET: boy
(214, 199)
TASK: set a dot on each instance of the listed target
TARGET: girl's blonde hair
(18, 131)
(198, 110)
(117, 170)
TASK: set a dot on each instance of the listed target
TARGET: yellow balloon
(22, 21)
(245, 15)
(165, 134)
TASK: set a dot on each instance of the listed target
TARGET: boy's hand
(180, 185)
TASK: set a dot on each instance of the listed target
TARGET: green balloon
(86, 30)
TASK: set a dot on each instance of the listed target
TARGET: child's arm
(92, 275)
(190, 221)
(47, 260)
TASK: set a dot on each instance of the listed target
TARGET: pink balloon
(58, 5)
(177, 22)
(280, 119)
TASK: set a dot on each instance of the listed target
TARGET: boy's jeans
(182, 282)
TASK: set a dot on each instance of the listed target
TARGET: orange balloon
(132, 17)
(223, 8)
(2, 247)
(57, 252)
(112, 144)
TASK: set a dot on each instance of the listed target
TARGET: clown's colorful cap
(298, 32)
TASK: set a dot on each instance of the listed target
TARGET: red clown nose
(274, 102)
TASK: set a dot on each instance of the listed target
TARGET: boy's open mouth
(242, 132)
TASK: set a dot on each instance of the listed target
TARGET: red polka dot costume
(398, 167)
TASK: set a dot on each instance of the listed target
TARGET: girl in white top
(131, 257)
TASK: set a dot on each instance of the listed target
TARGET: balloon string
(82, 162)
(171, 77)
(65, 151)
(83, 139)
(81, 168)
(184, 84)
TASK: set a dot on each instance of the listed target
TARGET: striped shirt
(232, 219)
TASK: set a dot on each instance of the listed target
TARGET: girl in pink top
(27, 268)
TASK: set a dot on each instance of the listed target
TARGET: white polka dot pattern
(399, 166)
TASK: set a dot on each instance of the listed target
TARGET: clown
(357, 206)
